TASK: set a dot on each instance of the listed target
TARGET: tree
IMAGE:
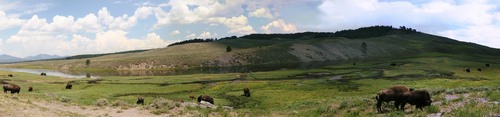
(228, 49)
(87, 62)
(364, 48)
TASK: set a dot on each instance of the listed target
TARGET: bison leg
(379, 106)
(402, 106)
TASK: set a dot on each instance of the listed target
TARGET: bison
(246, 92)
(140, 100)
(30, 89)
(354, 64)
(206, 98)
(13, 88)
(10, 75)
(487, 65)
(394, 93)
(191, 96)
(69, 86)
(467, 70)
(479, 69)
(419, 98)
(43, 74)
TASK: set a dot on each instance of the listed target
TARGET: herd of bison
(400, 94)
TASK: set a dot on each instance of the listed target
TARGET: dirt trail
(14, 106)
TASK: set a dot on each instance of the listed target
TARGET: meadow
(339, 90)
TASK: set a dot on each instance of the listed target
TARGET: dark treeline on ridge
(364, 32)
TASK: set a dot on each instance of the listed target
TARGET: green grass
(287, 92)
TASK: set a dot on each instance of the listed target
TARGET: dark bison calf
(419, 98)
(246, 92)
(140, 100)
(13, 88)
(30, 89)
(69, 86)
(206, 98)
(10, 75)
(43, 74)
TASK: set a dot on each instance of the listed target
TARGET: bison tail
(377, 96)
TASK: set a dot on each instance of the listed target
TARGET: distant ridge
(364, 44)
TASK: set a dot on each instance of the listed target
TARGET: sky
(72, 27)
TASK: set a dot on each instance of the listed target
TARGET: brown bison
(69, 86)
(479, 69)
(394, 93)
(191, 96)
(10, 75)
(140, 100)
(43, 74)
(246, 92)
(487, 65)
(13, 88)
(467, 70)
(30, 89)
(206, 98)
(419, 98)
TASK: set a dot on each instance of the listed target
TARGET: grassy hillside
(261, 49)
(340, 90)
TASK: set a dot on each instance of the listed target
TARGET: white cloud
(191, 36)
(190, 11)
(261, 12)
(108, 41)
(464, 20)
(237, 24)
(279, 26)
(175, 32)
(205, 34)
(9, 22)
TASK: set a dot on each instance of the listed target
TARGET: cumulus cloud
(464, 20)
(261, 12)
(36, 35)
(202, 35)
(237, 24)
(9, 22)
(108, 41)
(175, 32)
(279, 26)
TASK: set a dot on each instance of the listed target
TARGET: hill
(361, 44)
(4, 58)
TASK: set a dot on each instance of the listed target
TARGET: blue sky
(73, 27)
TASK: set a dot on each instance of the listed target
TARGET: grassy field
(340, 90)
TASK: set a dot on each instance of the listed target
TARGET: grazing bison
(69, 86)
(419, 98)
(13, 88)
(206, 98)
(487, 65)
(479, 69)
(246, 92)
(394, 93)
(191, 96)
(467, 70)
(30, 89)
(386, 95)
(393, 64)
(43, 74)
(140, 100)
(354, 64)
(10, 75)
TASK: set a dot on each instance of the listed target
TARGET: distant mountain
(41, 57)
(4, 58)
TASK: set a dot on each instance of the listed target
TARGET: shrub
(433, 109)
(101, 102)
(120, 103)
(65, 99)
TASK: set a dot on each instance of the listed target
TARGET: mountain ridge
(262, 49)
